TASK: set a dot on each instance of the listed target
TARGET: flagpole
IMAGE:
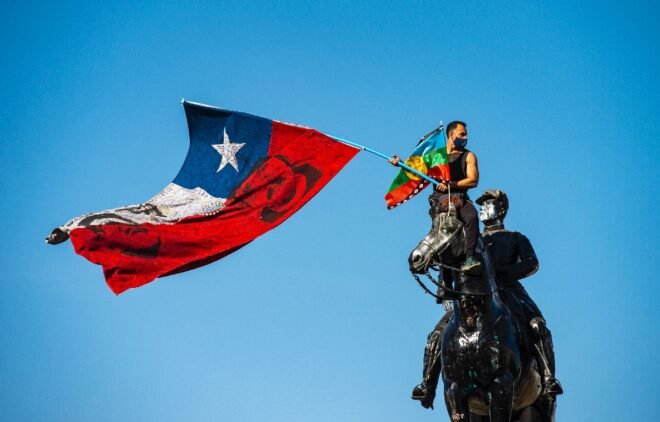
(387, 157)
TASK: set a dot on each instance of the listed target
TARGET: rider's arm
(527, 263)
(472, 173)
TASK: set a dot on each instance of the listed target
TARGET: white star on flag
(228, 152)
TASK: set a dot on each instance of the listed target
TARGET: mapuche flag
(430, 158)
(243, 176)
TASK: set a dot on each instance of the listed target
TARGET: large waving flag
(430, 158)
(243, 176)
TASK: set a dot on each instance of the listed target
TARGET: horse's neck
(489, 270)
(493, 306)
(484, 320)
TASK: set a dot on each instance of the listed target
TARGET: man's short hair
(453, 125)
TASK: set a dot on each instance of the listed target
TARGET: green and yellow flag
(430, 158)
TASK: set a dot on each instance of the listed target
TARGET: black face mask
(460, 142)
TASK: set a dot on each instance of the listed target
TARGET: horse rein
(445, 288)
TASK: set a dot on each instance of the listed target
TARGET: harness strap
(447, 289)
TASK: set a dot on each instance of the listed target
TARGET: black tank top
(457, 171)
(458, 168)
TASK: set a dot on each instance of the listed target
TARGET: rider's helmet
(499, 200)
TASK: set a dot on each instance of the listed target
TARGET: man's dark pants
(467, 213)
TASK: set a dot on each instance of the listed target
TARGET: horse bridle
(445, 288)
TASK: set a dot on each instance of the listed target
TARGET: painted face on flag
(276, 188)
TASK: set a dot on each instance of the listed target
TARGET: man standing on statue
(464, 172)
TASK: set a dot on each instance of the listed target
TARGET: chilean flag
(243, 176)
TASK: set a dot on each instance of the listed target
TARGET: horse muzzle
(420, 258)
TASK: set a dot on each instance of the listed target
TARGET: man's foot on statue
(471, 266)
(553, 387)
(420, 393)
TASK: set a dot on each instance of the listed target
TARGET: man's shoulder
(469, 154)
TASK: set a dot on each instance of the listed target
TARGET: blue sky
(319, 319)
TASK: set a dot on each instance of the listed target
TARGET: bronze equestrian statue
(492, 346)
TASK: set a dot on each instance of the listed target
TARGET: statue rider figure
(514, 259)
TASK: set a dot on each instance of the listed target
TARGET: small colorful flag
(430, 158)
(243, 176)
